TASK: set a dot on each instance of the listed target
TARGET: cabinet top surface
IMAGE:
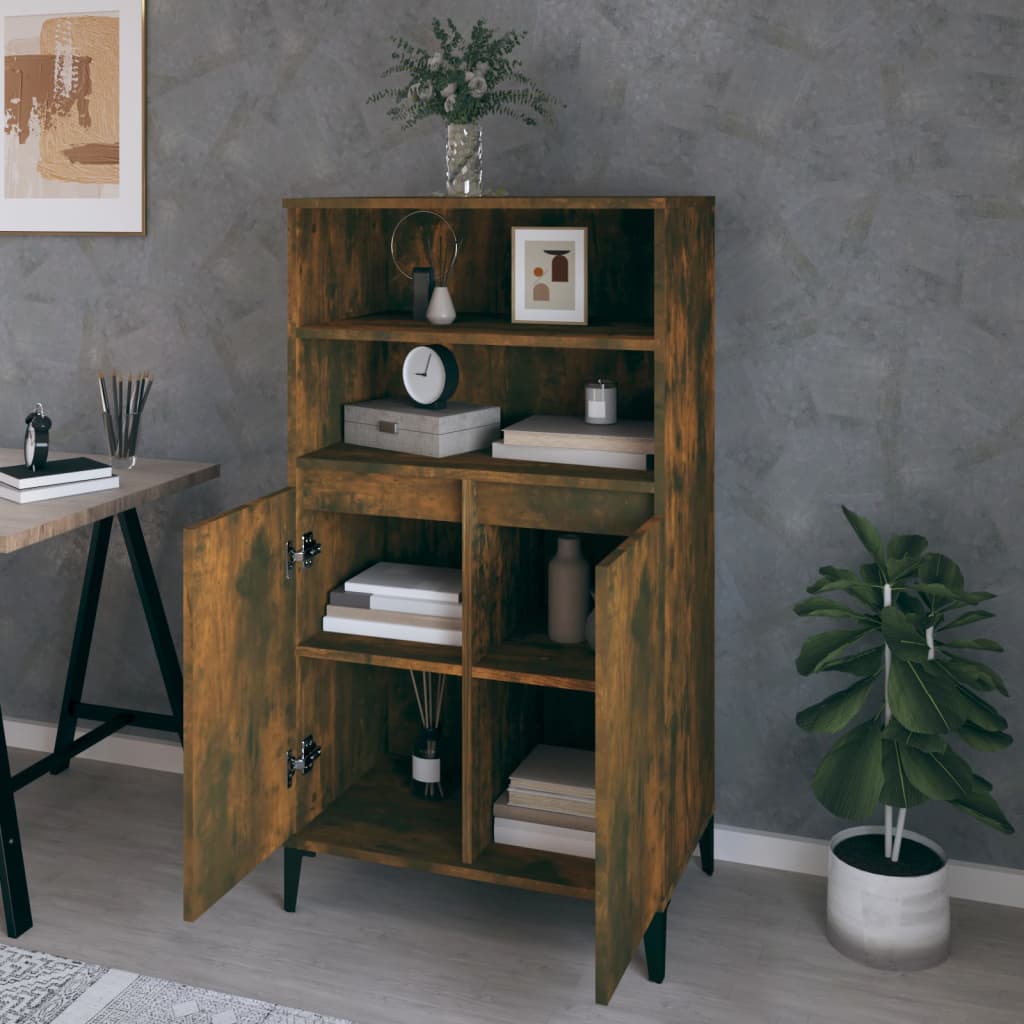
(498, 202)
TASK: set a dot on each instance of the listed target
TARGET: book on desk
(61, 478)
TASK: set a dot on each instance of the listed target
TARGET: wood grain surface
(239, 659)
(630, 752)
(24, 525)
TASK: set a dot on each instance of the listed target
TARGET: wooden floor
(385, 946)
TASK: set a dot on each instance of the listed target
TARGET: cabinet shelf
(537, 661)
(480, 329)
(476, 466)
(363, 650)
(378, 819)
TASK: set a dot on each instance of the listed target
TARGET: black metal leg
(80, 647)
(292, 873)
(13, 884)
(654, 946)
(707, 848)
(145, 580)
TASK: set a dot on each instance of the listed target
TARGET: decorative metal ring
(427, 213)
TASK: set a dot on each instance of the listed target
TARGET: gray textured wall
(868, 162)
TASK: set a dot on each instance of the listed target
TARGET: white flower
(435, 60)
(424, 90)
(449, 104)
(477, 86)
(449, 90)
(482, 68)
(469, 75)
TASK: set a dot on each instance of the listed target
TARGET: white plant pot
(897, 924)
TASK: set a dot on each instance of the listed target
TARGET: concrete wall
(868, 163)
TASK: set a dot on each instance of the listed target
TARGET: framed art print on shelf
(549, 275)
(74, 142)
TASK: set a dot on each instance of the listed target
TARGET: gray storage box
(397, 425)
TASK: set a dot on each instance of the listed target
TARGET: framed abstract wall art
(74, 141)
(549, 275)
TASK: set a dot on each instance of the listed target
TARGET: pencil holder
(122, 403)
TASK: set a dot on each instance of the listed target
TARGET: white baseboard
(162, 755)
(980, 882)
(983, 883)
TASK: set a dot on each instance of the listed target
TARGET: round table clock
(37, 438)
(430, 375)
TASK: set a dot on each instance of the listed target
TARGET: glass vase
(464, 160)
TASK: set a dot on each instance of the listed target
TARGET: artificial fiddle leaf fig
(931, 693)
(867, 535)
(850, 778)
(836, 712)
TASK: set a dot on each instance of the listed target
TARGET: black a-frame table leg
(82, 643)
(13, 884)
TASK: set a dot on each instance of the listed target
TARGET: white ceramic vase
(894, 923)
(441, 309)
(568, 592)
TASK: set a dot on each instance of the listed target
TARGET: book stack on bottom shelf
(549, 803)
(60, 478)
(397, 601)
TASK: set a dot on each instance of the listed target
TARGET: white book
(341, 598)
(636, 436)
(397, 579)
(574, 842)
(58, 490)
(558, 770)
(569, 456)
(424, 629)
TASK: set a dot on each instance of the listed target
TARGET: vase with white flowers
(462, 80)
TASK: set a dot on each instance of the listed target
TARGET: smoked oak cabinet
(261, 676)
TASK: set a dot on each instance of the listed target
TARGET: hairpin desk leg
(13, 885)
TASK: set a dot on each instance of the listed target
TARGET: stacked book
(396, 601)
(549, 803)
(571, 441)
(60, 478)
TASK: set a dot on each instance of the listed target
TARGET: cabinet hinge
(303, 556)
(309, 751)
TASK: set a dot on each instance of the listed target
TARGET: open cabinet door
(239, 695)
(630, 867)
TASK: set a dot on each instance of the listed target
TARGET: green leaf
(817, 648)
(939, 776)
(825, 606)
(981, 784)
(903, 555)
(863, 663)
(905, 640)
(981, 713)
(849, 779)
(980, 643)
(924, 701)
(919, 740)
(972, 673)
(836, 712)
(936, 568)
(966, 619)
(867, 535)
(897, 790)
(833, 579)
(982, 739)
(982, 805)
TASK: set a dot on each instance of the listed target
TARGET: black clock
(37, 438)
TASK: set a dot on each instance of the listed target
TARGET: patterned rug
(39, 989)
